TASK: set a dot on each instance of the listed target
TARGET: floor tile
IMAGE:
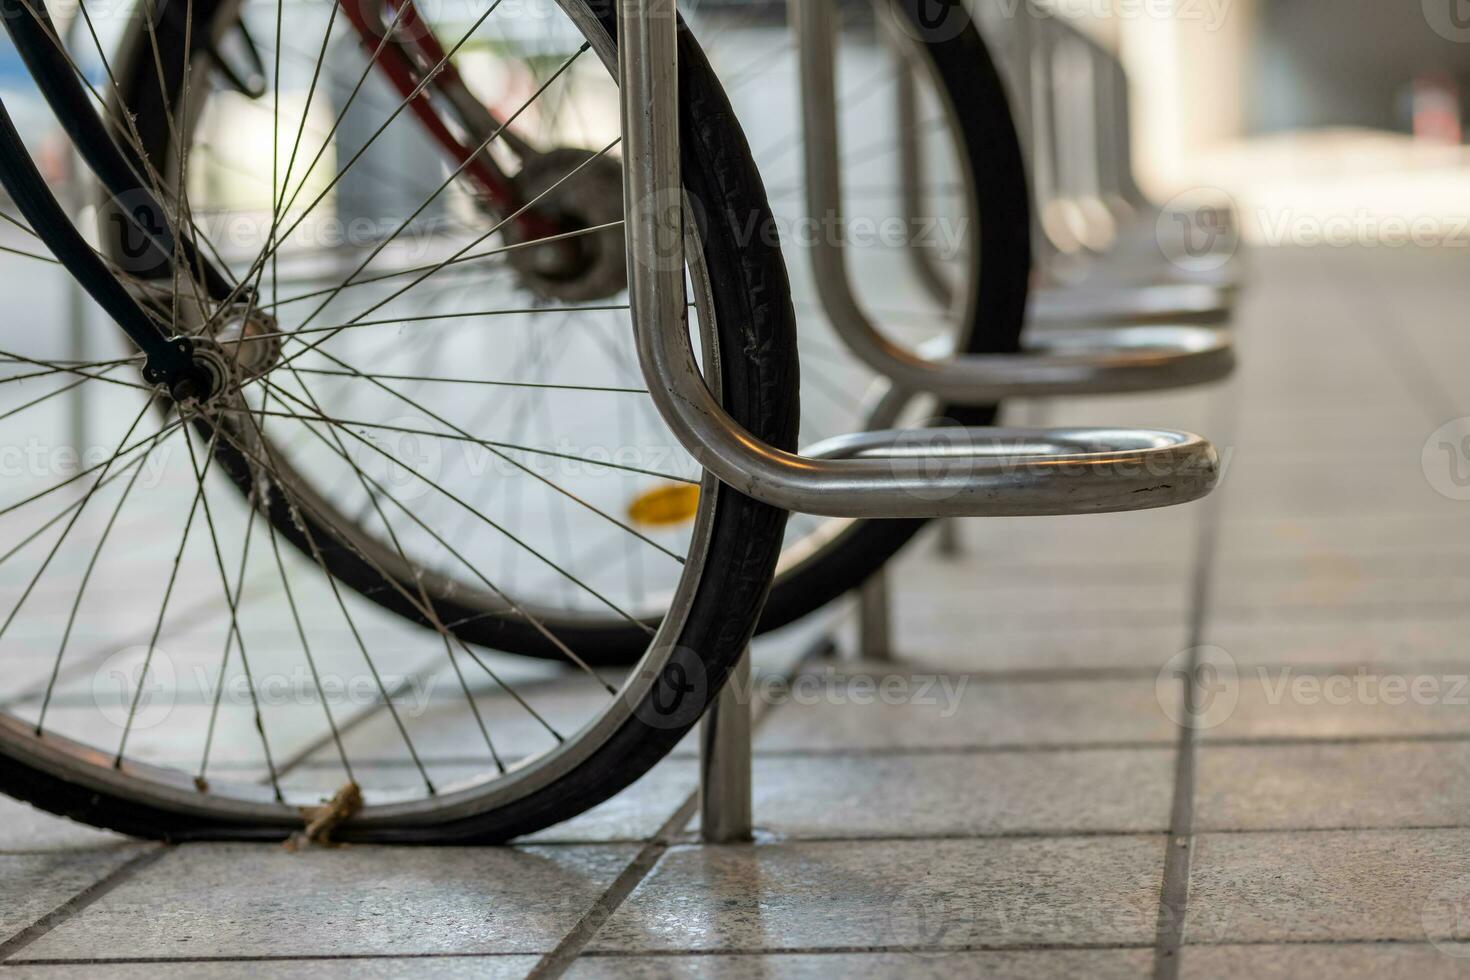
(636, 813)
(1104, 964)
(1282, 701)
(1389, 641)
(932, 642)
(1403, 784)
(243, 901)
(964, 793)
(1375, 961)
(1328, 886)
(430, 968)
(894, 895)
(24, 828)
(35, 884)
(898, 707)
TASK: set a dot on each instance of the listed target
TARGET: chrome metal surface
(1095, 303)
(725, 814)
(875, 629)
(1170, 358)
(923, 473)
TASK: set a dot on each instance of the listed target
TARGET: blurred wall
(1349, 62)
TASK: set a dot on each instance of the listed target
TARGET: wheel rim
(252, 804)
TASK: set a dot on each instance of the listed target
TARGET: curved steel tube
(1171, 358)
(923, 473)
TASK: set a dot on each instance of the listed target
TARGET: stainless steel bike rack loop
(1061, 362)
(977, 472)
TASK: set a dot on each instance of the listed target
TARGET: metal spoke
(71, 523)
(433, 379)
(494, 524)
(90, 469)
(456, 437)
(347, 616)
(457, 259)
(232, 602)
(499, 454)
(158, 624)
(484, 145)
(408, 100)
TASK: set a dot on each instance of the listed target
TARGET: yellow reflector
(665, 505)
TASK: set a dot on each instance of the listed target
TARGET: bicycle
(231, 375)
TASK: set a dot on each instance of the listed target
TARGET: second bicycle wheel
(419, 372)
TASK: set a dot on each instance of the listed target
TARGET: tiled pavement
(1013, 796)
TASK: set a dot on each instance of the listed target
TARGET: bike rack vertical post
(648, 79)
(724, 761)
(875, 629)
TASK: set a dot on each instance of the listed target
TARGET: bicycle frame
(417, 66)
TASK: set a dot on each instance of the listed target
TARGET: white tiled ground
(1029, 806)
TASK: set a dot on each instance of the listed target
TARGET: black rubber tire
(759, 366)
(987, 132)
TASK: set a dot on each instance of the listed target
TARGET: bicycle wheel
(967, 224)
(975, 191)
(196, 732)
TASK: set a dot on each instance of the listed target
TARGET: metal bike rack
(886, 473)
(1086, 81)
(725, 814)
(1049, 305)
(1026, 42)
(1056, 363)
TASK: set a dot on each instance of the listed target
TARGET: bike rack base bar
(1183, 303)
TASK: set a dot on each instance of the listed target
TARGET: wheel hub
(576, 267)
(225, 353)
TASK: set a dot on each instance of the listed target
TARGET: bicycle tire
(756, 330)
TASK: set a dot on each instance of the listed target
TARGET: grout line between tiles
(1174, 890)
(80, 901)
(559, 960)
